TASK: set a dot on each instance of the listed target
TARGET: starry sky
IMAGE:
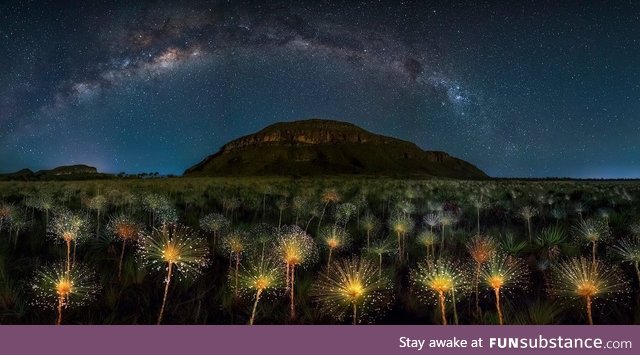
(518, 88)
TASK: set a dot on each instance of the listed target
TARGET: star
(159, 87)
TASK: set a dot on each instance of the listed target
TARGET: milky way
(519, 90)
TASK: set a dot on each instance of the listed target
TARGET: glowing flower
(174, 248)
(330, 196)
(260, 277)
(479, 202)
(629, 251)
(445, 218)
(344, 212)
(44, 202)
(55, 287)
(578, 278)
(295, 248)
(70, 228)
(428, 240)
(401, 224)
(481, 248)
(378, 248)
(439, 279)
(214, 223)
(334, 239)
(98, 203)
(501, 273)
(159, 208)
(352, 286)
(432, 220)
(327, 197)
(235, 243)
(527, 213)
(126, 229)
(369, 223)
(591, 231)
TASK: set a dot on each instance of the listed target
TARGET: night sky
(526, 89)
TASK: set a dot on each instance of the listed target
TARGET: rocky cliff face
(314, 131)
(59, 173)
(71, 170)
(325, 147)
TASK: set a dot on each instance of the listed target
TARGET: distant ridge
(318, 147)
(70, 172)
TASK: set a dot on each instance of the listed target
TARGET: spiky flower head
(427, 238)
(369, 223)
(481, 248)
(344, 212)
(334, 238)
(52, 284)
(432, 219)
(405, 206)
(155, 202)
(168, 215)
(97, 203)
(430, 279)
(261, 275)
(124, 227)
(330, 196)
(605, 212)
(504, 272)
(214, 223)
(479, 201)
(352, 283)
(44, 201)
(410, 193)
(447, 218)
(579, 277)
(401, 224)
(300, 202)
(161, 207)
(591, 230)
(435, 206)
(528, 212)
(295, 247)
(381, 246)
(628, 250)
(68, 226)
(235, 242)
(177, 245)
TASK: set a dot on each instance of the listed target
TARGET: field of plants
(319, 251)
